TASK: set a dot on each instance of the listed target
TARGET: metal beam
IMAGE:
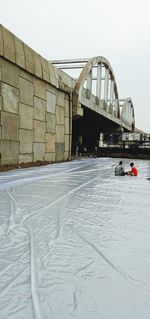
(69, 61)
(65, 67)
(70, 66)
(93, 79)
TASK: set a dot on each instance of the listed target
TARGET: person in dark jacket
(119, 170)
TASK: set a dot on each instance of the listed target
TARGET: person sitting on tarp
(119, 170)
(133, 171)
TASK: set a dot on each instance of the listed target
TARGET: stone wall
(35, 105)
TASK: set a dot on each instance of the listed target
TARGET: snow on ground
(75, 242)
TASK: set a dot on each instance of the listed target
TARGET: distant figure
(119, 170)
(84, 149)
(77, 151)
(96, 150)
(133, 171)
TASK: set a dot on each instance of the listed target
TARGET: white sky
(118, 30)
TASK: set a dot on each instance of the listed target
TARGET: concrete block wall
(35, 105)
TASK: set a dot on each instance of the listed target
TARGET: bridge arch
(105, 100)
(105, 89)
(100, 110)
(127, 113)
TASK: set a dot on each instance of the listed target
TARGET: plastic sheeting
(75, 242)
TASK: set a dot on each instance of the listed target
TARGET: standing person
(133, 171)
(119, 170)
(84, 149)
(96, 149)
(77, 150)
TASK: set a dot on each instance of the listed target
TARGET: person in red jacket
(133, 171)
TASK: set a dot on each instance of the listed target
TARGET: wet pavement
(75, 242)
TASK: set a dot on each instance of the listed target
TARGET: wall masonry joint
(34, 105)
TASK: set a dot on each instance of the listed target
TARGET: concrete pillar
(130, 112)
(116, 107)
(106, 84)
(98, 83)
(89, 83)
(111, 91)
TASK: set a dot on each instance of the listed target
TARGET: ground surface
(74, 242)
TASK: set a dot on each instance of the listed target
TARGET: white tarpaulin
(75, 242)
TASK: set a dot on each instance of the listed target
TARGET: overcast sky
(116, 29)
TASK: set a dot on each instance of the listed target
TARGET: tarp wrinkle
(74, 241)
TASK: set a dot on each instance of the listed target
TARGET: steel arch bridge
(96, 89)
